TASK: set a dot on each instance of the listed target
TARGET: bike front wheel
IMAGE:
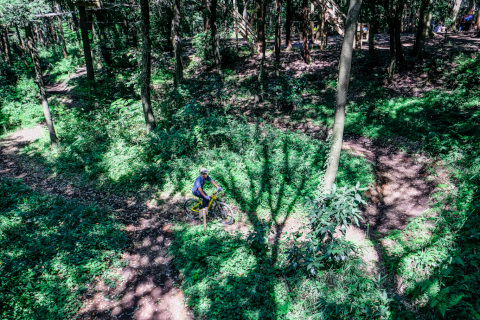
(192, 208)
(223, 212)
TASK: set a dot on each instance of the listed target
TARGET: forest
(341, 137)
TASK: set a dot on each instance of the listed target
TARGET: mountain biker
(197, 189)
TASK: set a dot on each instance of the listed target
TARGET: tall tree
(41, 86)
(146, 66)
(177, 43)
(422, 29)
(215, 37)
(8, 51)
(278, 36)
(456, 8)
(306, 52)
(288, 25)
(342, 92)
(87, 51)
(393, 11)
(60, 29)
(261, 15)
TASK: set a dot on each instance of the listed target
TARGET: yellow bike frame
(198, 206)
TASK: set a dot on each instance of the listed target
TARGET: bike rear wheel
(192, 208)
(223, 212)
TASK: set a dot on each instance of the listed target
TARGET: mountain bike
(220, 209)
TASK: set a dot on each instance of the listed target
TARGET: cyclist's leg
(205, 201)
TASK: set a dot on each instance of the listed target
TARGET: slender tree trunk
(263, 39)
(312, 24)
(41, 87)
(342, 92)
(177, 43)
(215, 37)
(206, 16)
(288, 26)
(60, 29)
(76, 26)
(374, 25)
(8, 51)
(393, 50)
(146, 67)
(456, 9)
(306, 52)
(20, 39)
(86, 43)
(278, 37)
(235, 22)
(422, 31)
(398, 29)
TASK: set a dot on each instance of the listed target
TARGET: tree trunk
(422, 31)
(306, 53)
(146, 66)
(215, 38)
(393, 50)
(342, 92)
(102, 35)
(398, 30)
(262, 39)
(206, 17)
(312, 25)
(278, 37)
(288, 26)
(471, 7)
(56, 8)
(177, 43)
(20, 39)
(456, 9)
(8, 51)
(374, 25)
(476, 26)
(41, 87)
(86, 43)
(76, 25)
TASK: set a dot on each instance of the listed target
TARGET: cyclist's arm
(213, 182)
(201, 192)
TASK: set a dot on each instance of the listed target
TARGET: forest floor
(404, 182)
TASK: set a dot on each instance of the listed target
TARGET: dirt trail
(148, 288)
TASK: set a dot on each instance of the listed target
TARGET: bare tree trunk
(306, 53)
(235, 26)
(422, 32)
(393, 50)
(342, 92)
(456, 9)
(8, 51)
(206, 17)
(398, 29)
(476, 26)
(215, 38)
(312, 25)
(371, 36)
(76, 26)
(261, 15)
(288, 26)
(20, 39)
(278, 37)
(86, 44)
(177, 43)
(41, 87)
(146, 67)
(56, 8)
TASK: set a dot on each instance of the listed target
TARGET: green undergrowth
(261, 168)
(227, 276)
(51, 250)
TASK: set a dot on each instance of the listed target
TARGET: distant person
(439, 27)
(197, 189)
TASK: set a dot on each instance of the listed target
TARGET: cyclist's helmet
(203, 170)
